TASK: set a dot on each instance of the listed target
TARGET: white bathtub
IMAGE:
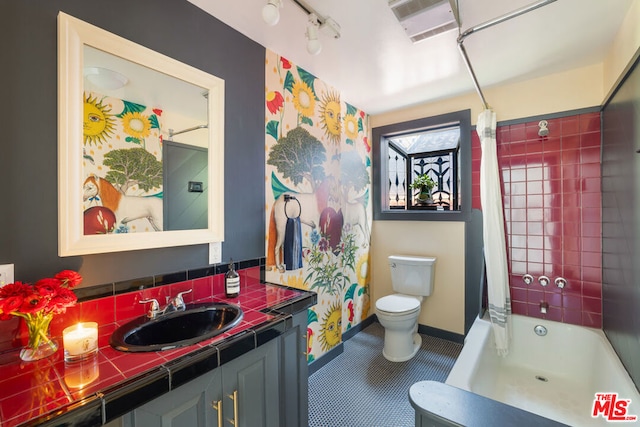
(575, 361)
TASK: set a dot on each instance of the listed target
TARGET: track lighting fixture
(271, 12)
(313, 44)
(271, 15)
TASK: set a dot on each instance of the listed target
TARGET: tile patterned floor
(360, 388)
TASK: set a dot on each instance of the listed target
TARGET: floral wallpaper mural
(122, 166)
(318, 186)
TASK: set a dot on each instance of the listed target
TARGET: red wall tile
(552, 204)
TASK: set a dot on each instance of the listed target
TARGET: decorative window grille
(397, 178)
(434, 152)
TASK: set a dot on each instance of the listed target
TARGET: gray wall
(28, 144)
(621, 222)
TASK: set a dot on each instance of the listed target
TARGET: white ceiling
(378, 69)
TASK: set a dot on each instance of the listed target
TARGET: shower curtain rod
(172, 133)
(486, 25)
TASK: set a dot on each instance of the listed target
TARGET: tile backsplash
(552, 206)
(117, 302)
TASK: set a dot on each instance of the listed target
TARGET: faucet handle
(188, 291)
(178, 301)
(155, 307)
(560, 282)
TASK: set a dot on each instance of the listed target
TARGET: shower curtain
(493, 233)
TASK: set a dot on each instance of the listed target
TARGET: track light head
(313, 44)
(271, 12)
(331, 27)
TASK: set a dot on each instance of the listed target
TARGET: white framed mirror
(140, 146)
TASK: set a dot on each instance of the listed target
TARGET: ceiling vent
(422, 19)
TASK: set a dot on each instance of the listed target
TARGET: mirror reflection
(145, 142)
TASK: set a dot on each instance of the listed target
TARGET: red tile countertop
(32, 391)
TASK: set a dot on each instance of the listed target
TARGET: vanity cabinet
(243, 392)
(264, 387)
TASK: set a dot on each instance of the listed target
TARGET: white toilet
(412, 279)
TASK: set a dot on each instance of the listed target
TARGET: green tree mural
(299, 156)
(134, 166)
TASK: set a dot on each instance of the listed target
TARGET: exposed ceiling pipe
(486, 25)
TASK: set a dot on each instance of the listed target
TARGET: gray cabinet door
(251, 388)
(188, 405)
(242, 393)
(294, 374)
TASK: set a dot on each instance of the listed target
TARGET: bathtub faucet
(544, 306)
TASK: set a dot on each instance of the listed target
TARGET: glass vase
(40, 344)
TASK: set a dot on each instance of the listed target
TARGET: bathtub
(556, 376)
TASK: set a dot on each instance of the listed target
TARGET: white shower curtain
(493, 233)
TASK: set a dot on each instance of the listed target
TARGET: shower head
(543, 131)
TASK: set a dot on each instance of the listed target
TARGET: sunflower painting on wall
(318, 182)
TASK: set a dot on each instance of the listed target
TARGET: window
(432, 152)
(439, 147)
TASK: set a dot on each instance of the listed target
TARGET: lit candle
(80, 341)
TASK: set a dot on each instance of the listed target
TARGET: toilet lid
(397, 303)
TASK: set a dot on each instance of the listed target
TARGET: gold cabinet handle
(234, 397)
(218, 407)
(305, 343)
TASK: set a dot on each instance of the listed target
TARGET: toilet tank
(412, 275)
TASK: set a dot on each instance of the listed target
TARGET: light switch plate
(6, 274)
(215, 253)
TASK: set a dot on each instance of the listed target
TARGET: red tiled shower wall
(552, 207)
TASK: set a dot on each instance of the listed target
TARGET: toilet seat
(398, 304)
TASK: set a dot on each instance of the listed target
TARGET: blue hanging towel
(292, 239)
(293, 244)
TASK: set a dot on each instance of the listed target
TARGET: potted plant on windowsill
(425, 184)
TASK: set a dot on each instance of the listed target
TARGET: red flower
(157, 111)
(274, 101)
(10, 304)
(49, 295)
(309, 339)
(285, 63)
(33, 303)
(15, 289)
(366, 144)
(351, 313)
(69, 278)
(47, 287)
(62, 300)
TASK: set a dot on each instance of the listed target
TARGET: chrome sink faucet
(174, 304)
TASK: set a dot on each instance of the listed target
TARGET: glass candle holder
(80, 341)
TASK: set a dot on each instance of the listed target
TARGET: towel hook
(287, 198)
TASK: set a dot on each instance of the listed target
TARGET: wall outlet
(6, 274)
(215, 253)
